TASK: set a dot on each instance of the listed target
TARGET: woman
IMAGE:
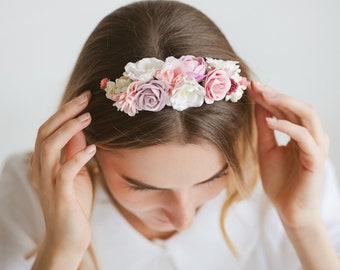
(166, 178)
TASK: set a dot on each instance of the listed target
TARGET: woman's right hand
(64, 186)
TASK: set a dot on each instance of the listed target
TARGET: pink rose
(151, 96)
(126, 101)
(217, 85)
(170, 71)
(196, 66)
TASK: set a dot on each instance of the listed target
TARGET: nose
(183, 211)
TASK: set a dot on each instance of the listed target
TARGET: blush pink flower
(151, 96)
(169, 73)
(196, 67)
(126, 101)
(217, 84)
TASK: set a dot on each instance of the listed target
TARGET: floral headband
(151, 84)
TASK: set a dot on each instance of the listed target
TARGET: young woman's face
(162, 187)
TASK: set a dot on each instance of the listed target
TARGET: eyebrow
(139, 183)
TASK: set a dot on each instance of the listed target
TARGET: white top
(253, 225)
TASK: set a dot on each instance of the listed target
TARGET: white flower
(235, 96)
(122, 84)
(143, 70)
(231, 67)
(187, 93)
(113, 89)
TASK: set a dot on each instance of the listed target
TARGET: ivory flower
(187, 93)
(231, 67)
(143, 70)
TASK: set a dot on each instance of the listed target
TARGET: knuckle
(304, 132)
(311, 110)
(42, 131)
(66, 109)
(46, 147)
(77, 160)
(62, 174)
(69, 126)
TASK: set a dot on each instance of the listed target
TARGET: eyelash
(212, 180)
(138, 188)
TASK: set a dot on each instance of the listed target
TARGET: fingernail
(82, 98)
(84, 117)
(271, 120)
(90, 149)
(267, 94)
(259, 84)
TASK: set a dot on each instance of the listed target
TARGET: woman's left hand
(291, 174)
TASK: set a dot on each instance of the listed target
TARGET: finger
(256, 92)
(285, 107)
(266, 136)
(51, 147)
(299, 113)
(67, 111)
(74, 145)
(70, 169)
(309, 155)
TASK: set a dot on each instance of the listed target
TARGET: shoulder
(18, 199)
(21, 219)
(14, 178)
(15, 175)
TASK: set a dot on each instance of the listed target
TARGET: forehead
(167, 163)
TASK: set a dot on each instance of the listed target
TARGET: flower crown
(151, 84)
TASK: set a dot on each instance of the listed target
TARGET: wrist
(313, 246)
(296, 219)
(52, 257)
(305, 227)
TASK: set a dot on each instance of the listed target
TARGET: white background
(290, 45)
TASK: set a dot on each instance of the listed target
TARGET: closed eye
(140, 186)
(210, 181)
